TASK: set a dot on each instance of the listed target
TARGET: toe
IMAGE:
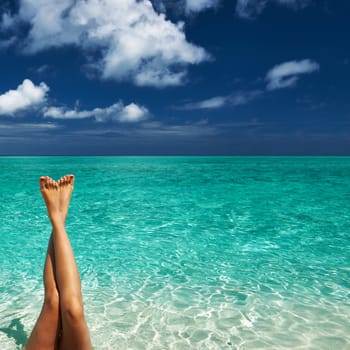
(71, 179)
(42, 181)
(51, 183)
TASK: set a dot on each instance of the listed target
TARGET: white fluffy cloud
(117, 112)
(252, 8)
(286, 74)
(132, 113)
(25, 96)
(130, 39)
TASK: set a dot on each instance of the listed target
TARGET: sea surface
(187, 252)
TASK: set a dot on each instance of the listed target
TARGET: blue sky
(245, 77)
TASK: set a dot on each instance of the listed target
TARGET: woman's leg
(75, 333)
(62, 313)
(46, 330)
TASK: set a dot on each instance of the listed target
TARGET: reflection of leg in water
(62, 317)
(16, 331)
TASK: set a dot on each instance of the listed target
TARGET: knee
(51, 300)
(72, 309)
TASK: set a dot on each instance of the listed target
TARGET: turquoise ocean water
(187, 252)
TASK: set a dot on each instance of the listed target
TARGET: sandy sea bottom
(187, 252)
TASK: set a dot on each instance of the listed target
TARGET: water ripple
(187, 253)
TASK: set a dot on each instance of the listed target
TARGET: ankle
(56, 218)
(63, 216)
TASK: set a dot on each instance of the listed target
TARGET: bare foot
(66, 186)
(50, 192)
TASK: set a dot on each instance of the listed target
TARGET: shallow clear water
(187, 252)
